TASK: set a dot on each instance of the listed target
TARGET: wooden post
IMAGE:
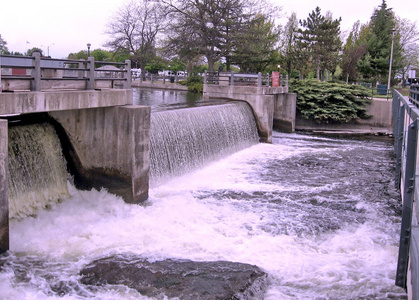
(36, 72)
(90, 73)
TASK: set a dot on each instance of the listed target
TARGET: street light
(391, 62)
(88, 49)
(48, 48)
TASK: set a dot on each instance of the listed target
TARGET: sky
(61, 27)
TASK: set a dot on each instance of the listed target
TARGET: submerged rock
(184, 279)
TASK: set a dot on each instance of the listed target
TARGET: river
(320, 215)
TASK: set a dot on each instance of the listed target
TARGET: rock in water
(188, 280)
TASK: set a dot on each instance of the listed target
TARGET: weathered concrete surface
(381, 121)
(185, 279)
(4, 198)
(261, 99)
(33, 102)
(285, 112)
(111, 148)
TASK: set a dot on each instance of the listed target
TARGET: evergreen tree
(3, 47)
(320, 37)
(375, 63)
(254, 48)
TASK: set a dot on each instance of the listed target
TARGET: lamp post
(48, 48)
(391, 62)
(88, 49)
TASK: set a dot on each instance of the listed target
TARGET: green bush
(328, 102)
(195, 83)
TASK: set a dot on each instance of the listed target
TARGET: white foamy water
(320, 216)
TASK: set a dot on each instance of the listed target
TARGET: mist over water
(319, 215)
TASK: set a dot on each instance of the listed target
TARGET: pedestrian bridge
(32, 84)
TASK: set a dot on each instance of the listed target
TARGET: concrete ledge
(159, 85)
(33, 102)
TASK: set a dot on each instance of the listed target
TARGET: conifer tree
(320, 37)
(375, 63)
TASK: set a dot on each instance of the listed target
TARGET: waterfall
(37, 170)
(184, 139)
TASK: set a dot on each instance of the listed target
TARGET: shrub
(195, 83)
(328, 102)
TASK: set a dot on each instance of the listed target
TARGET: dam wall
(266, 102)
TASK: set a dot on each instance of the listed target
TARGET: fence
(238, 79)
(36, 73)
(406, 125)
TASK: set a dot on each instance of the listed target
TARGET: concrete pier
(111, 148)
(4, 196)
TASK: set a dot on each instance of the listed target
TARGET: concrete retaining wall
(111, 147)
(4, 196)
(380, 122)
(285, 112)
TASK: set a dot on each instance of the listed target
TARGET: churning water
(319, 215)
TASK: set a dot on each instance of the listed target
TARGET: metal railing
(36, 73)
(240, 79)
(406, 126)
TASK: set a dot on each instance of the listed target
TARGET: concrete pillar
(4, 191)
(91, 73)
(128, 75)
(36, 72)
(285, 112)
(112, 148)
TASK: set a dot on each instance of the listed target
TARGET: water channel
(320, 215)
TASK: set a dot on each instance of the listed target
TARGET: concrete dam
(317, 214)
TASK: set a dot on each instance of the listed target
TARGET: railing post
(259, 79)
(81, 68)
(286, 80)
(128, 75)
(232, 78)
(36, 72)
(91, 74)
(205, 77)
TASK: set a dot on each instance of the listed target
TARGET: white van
(136, 73)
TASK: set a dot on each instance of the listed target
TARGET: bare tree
(134, 30)
(409, 46)
(209, 27)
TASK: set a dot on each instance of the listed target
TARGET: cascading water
(182, 140)
(37, 171)
(319, 215)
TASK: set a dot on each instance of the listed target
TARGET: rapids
(320, 215)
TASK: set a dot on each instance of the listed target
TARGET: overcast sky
(67, 26)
